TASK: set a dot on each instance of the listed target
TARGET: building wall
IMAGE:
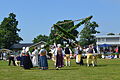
(112, 40)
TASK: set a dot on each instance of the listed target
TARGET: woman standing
(43, 59)
(27, 63)
(59, 57)
(35, 57)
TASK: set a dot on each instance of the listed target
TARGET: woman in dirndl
(27, 63)
(43, 64)
(59, 57)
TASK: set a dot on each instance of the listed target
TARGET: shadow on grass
(66, 69)
(101, 65)
(55, 69)
(73, 67)
(98, 65)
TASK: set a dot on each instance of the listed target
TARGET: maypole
(67, 32)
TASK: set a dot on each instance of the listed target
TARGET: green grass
(106, 70)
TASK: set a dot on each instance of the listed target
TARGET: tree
(1, 37)
(41, 38)
(9, 31)
(110, 34)
(87, 34)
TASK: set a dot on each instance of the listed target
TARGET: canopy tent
(105, 45)
(4, 53)
(5, 50)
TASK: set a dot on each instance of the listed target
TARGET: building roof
(105, 36)
(41, 42)
(20, 45)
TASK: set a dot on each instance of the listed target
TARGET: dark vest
(90, 50)
(95, 49)
(67, 51)
(79, 51)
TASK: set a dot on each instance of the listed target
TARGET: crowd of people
(60, 56)
(110, 53)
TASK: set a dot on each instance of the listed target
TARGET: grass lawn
(107, 69)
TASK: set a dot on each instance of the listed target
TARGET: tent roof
(5, 50)
(104, 45)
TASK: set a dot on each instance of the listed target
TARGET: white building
(113, 40)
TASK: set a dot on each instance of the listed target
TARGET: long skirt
(21, 60)
(43, 64)
(35, 61)
(79, 59)
(27, 63)
(59, 60)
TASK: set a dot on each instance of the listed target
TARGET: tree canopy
(9, 31)
(87, 33)
(41, 38)
(110, 34)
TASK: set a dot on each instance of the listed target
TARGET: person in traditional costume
(22, 56)
(90, 55)
(67, 55)
(79, 59)
(53, 48)
(43, 64)
(59, 53)
(95, 54)
(35, 57)
(17, 60)
(27, 63)
(11, 58)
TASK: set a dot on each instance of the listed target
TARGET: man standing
(67, 55)
(11, 58)
(90, 56)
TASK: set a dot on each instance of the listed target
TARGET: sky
(37, 16)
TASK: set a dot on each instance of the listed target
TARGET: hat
(59, 45)
(67, 45)
(42, 46)
(23, 48)
(27, 49)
